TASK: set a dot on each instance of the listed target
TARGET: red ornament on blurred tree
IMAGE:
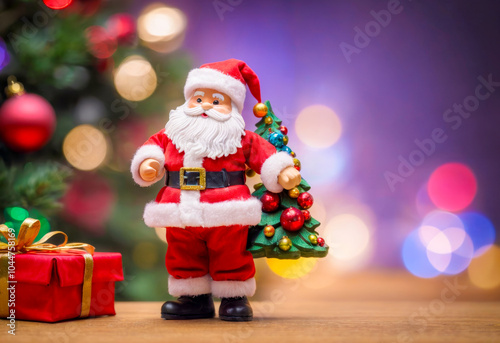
(122, 27)
(305, 200)
(292, 219)
(57, 4)
(270, 201)
(27, 121)
(100, 43)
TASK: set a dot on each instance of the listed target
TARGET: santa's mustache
(212, 113)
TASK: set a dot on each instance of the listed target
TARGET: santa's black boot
(189, 307)
(235, 309)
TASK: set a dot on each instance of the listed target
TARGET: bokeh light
(161, 232)
(135, 79)
(4, 55)
(324, 166)
(17, 214)
(452, 187)
(318, 126)
(85, 147)
(57, 4)
(100, 43)
(122, 27)
(161, 28)
(439, 245)
(480, 229)
(89, 202)
(484, 271)
(291, 269)
(348, 237)
(414, 254)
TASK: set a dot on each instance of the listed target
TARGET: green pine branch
(35, 186)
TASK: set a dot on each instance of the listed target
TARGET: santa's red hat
(228, 77)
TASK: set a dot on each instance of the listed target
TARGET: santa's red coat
(232, 205)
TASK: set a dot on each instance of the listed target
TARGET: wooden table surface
(427, 321)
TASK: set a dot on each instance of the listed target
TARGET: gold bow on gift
(25, 243)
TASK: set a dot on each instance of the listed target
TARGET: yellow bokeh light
(161, 232)
(135, 79)
(85, 147)
(318, 126)
(161, 28)
(291, 269)
(484, 269)
(145, 255)
(348, 237)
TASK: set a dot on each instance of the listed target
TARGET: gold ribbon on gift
(25, 243)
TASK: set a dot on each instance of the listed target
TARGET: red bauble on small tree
(292, 219)
(270, 201)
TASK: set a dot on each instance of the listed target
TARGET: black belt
(200, 179)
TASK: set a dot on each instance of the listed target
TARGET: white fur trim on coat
(214, 79)
(143, 153)
(232, 212)
(272, 168)
(191, 286)
(231, 289)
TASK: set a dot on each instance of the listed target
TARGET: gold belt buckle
(202, 182)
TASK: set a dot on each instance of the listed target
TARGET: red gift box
(50, 285)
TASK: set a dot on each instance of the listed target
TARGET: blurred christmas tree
(73, 115)
(286, 229)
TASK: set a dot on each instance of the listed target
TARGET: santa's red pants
(210, 260)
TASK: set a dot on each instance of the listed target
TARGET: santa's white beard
(216, 136)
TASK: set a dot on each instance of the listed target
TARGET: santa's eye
(216, 102)
(198, 100)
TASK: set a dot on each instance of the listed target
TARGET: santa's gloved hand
(150, 169)
(289, 178)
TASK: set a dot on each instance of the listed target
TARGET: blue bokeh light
(4, 55)
(480, 229)
(415, 259)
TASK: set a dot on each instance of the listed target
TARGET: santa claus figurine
(205, 205)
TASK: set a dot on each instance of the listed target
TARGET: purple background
(391, 93)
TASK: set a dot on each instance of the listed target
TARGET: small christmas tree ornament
(296, 163)
(286, 149)
(270, 202)
(269, 231)
(293, 154)
(276, 139)
(268, 120)
(292, 219)
(27, 121)
(321, 241)
(313, 239)
(307, 215)
(285, 243)
(305, 200)
(294, 193)
(283, 129)
(260, 110)
(285, 140)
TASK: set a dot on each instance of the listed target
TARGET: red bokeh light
(57, 4)
(100, 43)
(452, 187)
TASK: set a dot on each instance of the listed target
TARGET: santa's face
(210, 99)
(207, 125)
